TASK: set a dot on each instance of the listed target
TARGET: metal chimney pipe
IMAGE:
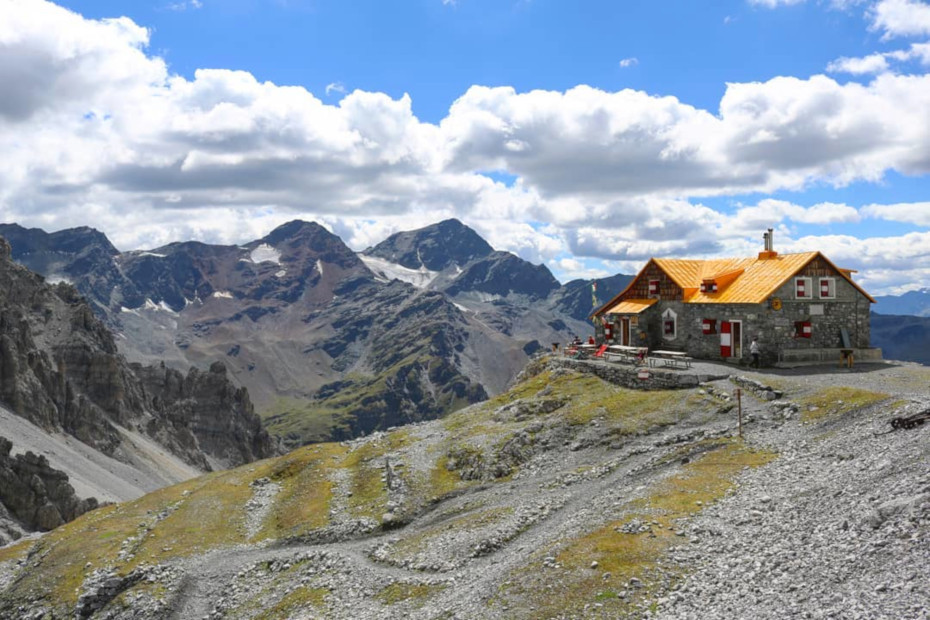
(771, 239)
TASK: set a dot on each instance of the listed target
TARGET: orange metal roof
(632, 306)
(740, 280)
(759, 277)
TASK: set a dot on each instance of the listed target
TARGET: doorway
(625, 331)
(736, 329)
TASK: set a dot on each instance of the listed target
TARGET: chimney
(769, 251)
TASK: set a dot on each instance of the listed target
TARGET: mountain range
(911, 303)
(330, 343)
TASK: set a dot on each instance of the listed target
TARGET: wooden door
(625, 331)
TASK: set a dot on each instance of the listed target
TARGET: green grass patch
(443, 481)
(547, 593)
(17, 551)
(365, 463)
(297, 600)
(195, 516)
(303, 503)
(400, 592)
(834, 401)
(304, 421)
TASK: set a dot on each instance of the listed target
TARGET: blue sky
(587, 135)
(435, 51)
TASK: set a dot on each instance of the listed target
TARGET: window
(709, 326)
(708, 287)
(802, 288)
(802, 329)
(827, 288)
(669, 324)
(653, 287)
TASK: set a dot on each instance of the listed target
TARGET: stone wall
(628, 376)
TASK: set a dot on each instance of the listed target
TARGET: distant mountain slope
(575, 300)
(912, 303)
(905, 338)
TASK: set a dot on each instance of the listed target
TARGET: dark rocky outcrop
(33, 493)
(219, 416)
(505, 274)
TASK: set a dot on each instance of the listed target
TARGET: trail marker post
(739, 410)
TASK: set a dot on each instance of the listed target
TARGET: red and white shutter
(801, 287)
(708, 325)
(806, 330)
(726, 339)
(824, 288)
(653, 287)
(608, 331)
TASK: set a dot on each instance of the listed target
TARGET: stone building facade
(801, 307)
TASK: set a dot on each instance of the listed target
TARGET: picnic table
(674, 359)
(623, 353)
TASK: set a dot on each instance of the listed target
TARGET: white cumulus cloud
(901, 18)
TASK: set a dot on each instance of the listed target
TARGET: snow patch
(265, 253)
(420, 278)
(319, 266)
(222, 295)
(155, 254)
(57, 279)
(281, 273)
(461, 307)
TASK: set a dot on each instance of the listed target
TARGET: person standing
(756, 352)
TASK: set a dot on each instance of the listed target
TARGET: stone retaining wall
(628, 376)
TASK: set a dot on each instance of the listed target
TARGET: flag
(594, 298)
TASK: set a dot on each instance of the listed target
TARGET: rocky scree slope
(565, 497)
(60, 370)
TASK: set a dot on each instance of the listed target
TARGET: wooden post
(739, 410)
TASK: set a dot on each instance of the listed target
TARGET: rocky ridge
(565, 497)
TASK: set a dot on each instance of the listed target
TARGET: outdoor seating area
(635, 356)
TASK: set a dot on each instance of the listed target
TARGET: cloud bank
(99, 132)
